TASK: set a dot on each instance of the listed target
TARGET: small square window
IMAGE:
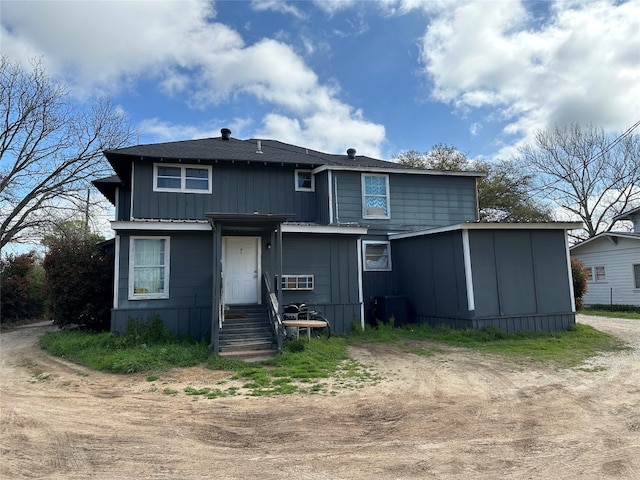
(305, 181)
(377, 256)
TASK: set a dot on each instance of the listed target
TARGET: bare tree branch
(585, 172)
(49, 149)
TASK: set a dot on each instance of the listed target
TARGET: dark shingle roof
(246, 150)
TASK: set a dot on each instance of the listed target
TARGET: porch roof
(248, 220)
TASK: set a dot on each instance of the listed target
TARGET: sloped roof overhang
(489, 226)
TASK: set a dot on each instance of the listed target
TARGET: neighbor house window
(589, 271)
(636, 275)
(375, 196)
(305, 181)
(377, 256)
(596, 274)
(297, 282)
(149, 268)
(181, 178)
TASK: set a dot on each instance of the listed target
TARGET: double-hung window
(181, 178)
(148, 268)
(596, 274)
(377, 256)
(375, 196)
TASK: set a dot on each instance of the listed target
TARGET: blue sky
(378, 76)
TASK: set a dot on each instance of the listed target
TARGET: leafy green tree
(21, 287)
(503, 192)
(79, 281)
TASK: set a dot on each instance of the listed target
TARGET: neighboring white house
(612, 260)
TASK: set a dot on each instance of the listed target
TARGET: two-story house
(205, 228)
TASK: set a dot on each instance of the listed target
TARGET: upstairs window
(375, 196)
(148, 268)
(305, 181)
(181, 178)
(377, 256)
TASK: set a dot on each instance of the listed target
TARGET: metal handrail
(274, 315)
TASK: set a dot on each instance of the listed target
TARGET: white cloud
(277, 6)
(108, 46)
(581, 65)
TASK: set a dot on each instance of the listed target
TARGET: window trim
(167, 263)
(309, 278)
(365, 244)
(183, 178)
(313, 181)
(364, 195)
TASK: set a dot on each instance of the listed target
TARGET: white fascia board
(166, 226)
(332, 229)
(490, 226)
(406, 171)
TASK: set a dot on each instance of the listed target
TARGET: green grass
(563, 349)
(108, 353)
(319, 366)
(605, 313)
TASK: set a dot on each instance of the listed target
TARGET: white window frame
(167, 257)
(367, 243)
(288, 279)
(364, 195)
(297, 180)
(636, 275)
(183, 178)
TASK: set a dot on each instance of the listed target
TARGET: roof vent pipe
(259, 145)
(351, 153)
(226, 133)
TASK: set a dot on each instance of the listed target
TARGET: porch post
(278, 287)
(217, 287)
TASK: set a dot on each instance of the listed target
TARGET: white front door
(241, 270)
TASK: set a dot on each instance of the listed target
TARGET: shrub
(21, 287)
(615, 308)
(579, 274)
(79, 282)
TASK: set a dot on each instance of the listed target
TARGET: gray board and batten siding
(415, 201)
(333, 261)
(520, 278)
(187, 311)
(236, 188)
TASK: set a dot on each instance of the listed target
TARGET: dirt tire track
(454, 414)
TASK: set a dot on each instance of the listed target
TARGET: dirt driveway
(458, 414)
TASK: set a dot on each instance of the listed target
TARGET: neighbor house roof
(628, 215)
(611, 236)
